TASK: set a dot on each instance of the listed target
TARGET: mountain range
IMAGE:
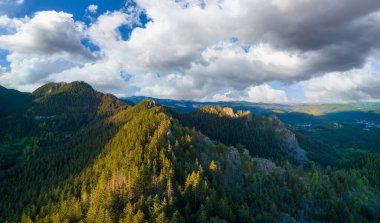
(69, 153)
(332, 134)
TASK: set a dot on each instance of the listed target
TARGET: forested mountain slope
(140, 164)
(262, 135)
(13, 101)
(332, 134)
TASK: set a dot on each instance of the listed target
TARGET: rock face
(266, 166)
(220, 111)
(290, 142)
(234, 156)
(228, 111)
(151, 103)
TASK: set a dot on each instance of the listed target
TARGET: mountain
(78, 98)
(77, 155)
(13, 101)
(48, 117)
(331, 134)
(263, 136)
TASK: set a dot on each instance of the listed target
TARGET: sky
(273, 51)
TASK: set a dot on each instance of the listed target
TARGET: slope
(13, 101)
(263, 136)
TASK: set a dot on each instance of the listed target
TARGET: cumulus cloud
(103, 75)
(47, 33)
(192, 49)
(11, 25)
(287, 42)
(106, 73)
(48, 43)
(262, 93)
(324, 40)
(351, 86)
(92, 8)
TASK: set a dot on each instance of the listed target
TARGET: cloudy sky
(281, 51)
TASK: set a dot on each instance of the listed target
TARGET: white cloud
(48, 43)
(222, 66)
(92, 8)
(47, 33)
(262, 93)
(351, 86)
(103, 75)
(105, 31)
(11, 25)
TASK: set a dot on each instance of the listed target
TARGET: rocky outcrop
(289, 141)
(150, 103)
(220, 111)
(266, 166)
(234, 156)
(226, 111)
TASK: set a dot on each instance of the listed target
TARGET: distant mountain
(264, 108)
(13, 101)
(187, 105)
(71, 154)
(323, 109)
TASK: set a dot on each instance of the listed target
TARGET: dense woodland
(71, 154)
(257, 133)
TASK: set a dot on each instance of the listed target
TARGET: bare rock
(289, 141)
(266, 166)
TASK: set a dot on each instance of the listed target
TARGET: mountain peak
(74, 97)
(54, 88)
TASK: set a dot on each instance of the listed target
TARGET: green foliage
(13, 102)
(335, 144)
(257, 133)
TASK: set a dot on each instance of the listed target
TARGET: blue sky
(3, 61)
(260, 51)
(75, 7)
